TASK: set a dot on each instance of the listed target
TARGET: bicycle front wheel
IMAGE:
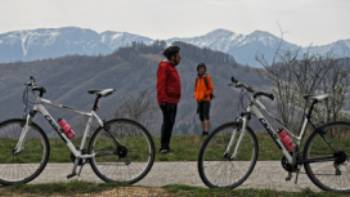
(22, 164)
(129, 159)
(217, 164)
(326, 155)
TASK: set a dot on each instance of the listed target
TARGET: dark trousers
(203, 110)
(169, 115)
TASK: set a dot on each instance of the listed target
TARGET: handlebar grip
(31, 82)
(234, 80)
(32, 79)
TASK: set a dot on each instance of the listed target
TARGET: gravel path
(266, 175)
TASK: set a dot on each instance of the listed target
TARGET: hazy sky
(303, 21)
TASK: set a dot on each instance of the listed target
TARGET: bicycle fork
(19, 146)
(232, 140)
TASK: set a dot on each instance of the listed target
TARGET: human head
(201, 69)
(172, 53)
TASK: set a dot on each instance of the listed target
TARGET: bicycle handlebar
(241, 85)
(268, 95)
(256, 94)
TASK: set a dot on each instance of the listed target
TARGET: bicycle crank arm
(74, 170)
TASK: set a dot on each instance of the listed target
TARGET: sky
(303, 22)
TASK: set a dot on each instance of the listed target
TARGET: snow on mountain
(340, 48)
(115, 40)
(243, 48)
(219, 39)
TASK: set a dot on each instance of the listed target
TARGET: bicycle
(229, 154)
(119, 150)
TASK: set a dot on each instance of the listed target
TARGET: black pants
(203, 110)
(169, 115)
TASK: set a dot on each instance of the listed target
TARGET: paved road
(267, 175)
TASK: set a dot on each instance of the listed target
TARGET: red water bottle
(286, 139)
(67, 129)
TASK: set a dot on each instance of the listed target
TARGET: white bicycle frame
(39, 106)
(256, 107)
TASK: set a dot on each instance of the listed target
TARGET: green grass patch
(67, 188)
(184, 148)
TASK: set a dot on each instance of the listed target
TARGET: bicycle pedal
(289, 177)
(69, 176)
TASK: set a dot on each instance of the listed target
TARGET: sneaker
(204, 133)
(164, 150)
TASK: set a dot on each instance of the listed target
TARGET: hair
(171, 51)
(201, 65)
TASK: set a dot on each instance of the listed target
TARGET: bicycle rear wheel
(218, 169)
(128, 162)
(22, 166)
(327, 153)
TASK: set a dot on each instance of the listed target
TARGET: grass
(77, 187)
(184, 148)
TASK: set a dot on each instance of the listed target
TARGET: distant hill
(130, 70)
(27, 45)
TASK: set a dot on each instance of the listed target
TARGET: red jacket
(168, 83)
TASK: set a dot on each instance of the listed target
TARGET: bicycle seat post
(97, 99)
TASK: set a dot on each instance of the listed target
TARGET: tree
(138, 107)
(294, 75)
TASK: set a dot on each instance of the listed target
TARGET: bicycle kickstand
(297, 176)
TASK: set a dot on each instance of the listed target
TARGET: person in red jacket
(168, 93)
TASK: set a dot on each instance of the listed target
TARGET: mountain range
(28, 45)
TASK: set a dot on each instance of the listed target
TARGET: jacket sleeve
(161, 83)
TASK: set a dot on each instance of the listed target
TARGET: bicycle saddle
(319, 97)
(102, 92)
